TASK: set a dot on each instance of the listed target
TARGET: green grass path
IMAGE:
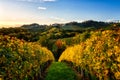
(60, 71)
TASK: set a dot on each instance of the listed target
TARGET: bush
(20, 60)
(58, 47)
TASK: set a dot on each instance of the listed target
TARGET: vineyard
(98, 57)
(87, 54)
(20, 60)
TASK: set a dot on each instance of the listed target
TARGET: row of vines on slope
(99, 55)
(20, 60)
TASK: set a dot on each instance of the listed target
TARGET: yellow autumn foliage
(20, 60)
(100, 54)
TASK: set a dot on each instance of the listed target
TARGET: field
(73, 51)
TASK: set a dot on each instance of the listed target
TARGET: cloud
(57, 18)
(110, 20)
(38, 0)
(48, 0)
(113, 20)
(27, 0)
(42, 8)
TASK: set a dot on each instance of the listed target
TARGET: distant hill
(85, 25)
(35, 27)
(75, 26)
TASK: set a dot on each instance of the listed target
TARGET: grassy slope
(60, 71)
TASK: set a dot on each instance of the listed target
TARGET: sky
(14, 12)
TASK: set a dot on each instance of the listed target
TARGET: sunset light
(59, 39)
(14, 12)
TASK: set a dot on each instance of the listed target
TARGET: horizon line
(18, 24)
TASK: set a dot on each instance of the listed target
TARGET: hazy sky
(57, 11)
